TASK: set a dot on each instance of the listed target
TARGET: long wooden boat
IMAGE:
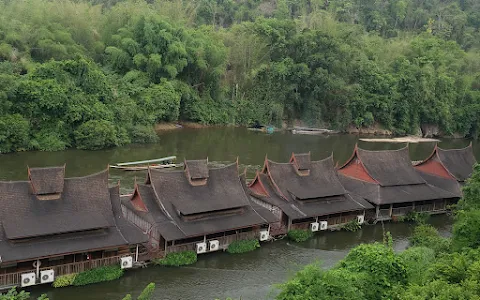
(312, 131)
(140, 168)
(158, 163)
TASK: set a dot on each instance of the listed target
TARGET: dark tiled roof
(223, 190)
(54, 223)
(321, 182)
(390, 167)
(47, 180)
(302, 160)
(449, 185)
(131, 234)
(458, 162)
(198, 169)
(377, 194)
(154, 214)
(320, 206)
(81, 196)
(171, 192)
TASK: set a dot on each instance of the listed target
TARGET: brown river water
(219, 275)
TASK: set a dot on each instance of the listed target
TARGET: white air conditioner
(28, 279)
(360, 219)
(126, 262)
(201, 248)
(314, 226)
(214, 245)
(264, 235)
(323, 225)
(47, 276)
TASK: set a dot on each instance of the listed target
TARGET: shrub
(95, 134)
(299, 235)
(64, 280)
(353, 226)
(143, 134)
(243, 246)
(427, 236)
(101, 274)
(177, 259)
(466, 231)
(417, 217)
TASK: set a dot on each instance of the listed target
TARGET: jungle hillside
(93, 74)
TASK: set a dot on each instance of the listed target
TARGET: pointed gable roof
(47, 180)
(223, 190)
(452, 163)
(321, 182)
(83, 218)
(196, 169)
(301, 161)
(389, 167)
(458, 162)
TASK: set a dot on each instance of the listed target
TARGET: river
(220, 275)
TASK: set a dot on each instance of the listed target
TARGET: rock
(430, 130)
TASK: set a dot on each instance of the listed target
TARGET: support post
(136, 254)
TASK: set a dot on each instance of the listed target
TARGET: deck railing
(77, 267)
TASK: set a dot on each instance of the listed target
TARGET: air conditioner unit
(214, 245)
(264, 235)
(323, 225)
(201, 248)
(47, 276)
(314, 226)
(126, 262)
(360, 219)
(28, 279)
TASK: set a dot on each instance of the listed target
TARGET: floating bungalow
(450, 165)
(306, 194)
(196, 208)
(388, 180)
(52, 225)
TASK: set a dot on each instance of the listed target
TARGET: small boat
(159, 163)
(312, 131)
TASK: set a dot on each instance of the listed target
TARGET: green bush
(95, 134)
(177, 259)
(299, 235)
(417, 217)
(427, 236)
(143, 134)
(64, 280)
(101, 274)
(243, 246)
(353, 226)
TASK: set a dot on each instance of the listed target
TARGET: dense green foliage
(243, 246)
(96, 275)
(352, 226)
(99, 73)
(432, 268)
(177, 259)
(299, 235)
(64, 280)
(13, 294)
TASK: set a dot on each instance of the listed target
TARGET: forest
(433, 267)
(93, 74)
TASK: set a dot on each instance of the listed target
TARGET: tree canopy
(99, 73)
